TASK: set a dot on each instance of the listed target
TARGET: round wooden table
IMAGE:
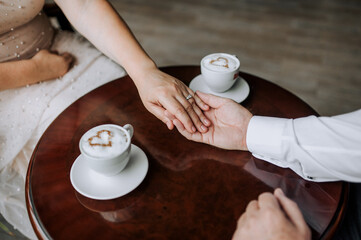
(191, 190)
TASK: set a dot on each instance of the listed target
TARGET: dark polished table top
(191, 191)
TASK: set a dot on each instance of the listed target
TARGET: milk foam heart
(220, 63)
(104, 142)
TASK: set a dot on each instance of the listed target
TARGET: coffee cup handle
(130, 129)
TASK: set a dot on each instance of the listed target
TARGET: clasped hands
(229, 122)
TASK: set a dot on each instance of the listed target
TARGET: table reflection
(310, 196)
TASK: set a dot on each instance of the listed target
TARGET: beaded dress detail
(24, 29)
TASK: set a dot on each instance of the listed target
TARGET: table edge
(341, 209)
(36, 223)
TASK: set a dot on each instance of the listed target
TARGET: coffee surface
(220, 63)
(104, 142)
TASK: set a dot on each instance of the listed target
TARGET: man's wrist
(243, 128)
(264, 135)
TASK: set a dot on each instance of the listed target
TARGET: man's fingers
(252, 206)
(291, 209)
(267, 200)
(241, 220)
(212, 100)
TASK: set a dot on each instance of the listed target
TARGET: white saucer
(238, 92)
(97, 186)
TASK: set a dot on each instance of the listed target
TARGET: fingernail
(206, 121)
(280, 192)
(203, 128)
(193, 129)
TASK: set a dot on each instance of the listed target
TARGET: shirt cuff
(264, 136)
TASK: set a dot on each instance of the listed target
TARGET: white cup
(220, 71)
(106, 148)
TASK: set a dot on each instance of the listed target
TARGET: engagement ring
(189, 97)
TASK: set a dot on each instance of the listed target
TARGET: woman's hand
(160, 91)
(50, 65)
(43, 66)
(101, 25)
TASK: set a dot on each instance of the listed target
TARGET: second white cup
(220, 71)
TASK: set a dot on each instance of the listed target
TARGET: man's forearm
(318, 149)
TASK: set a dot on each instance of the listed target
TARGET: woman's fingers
(177, 109)
(183, 106)
(200, 103)
(189, 108)
(199, 108)
(194, 112)
(173, 95)
(159, 113)
(170, 116)
(68, 57)
(197, 136)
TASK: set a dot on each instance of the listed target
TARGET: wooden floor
(312, 48)
(7, 231)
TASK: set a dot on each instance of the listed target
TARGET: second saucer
(238, 92)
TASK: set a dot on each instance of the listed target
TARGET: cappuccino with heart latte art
(104, 142)
(106, 148)
(220, 71)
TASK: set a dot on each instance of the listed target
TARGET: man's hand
(272, 217)
(229, 123)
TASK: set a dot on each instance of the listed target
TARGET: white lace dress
(26, 112)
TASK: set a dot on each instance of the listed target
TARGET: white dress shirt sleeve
(316, 148)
